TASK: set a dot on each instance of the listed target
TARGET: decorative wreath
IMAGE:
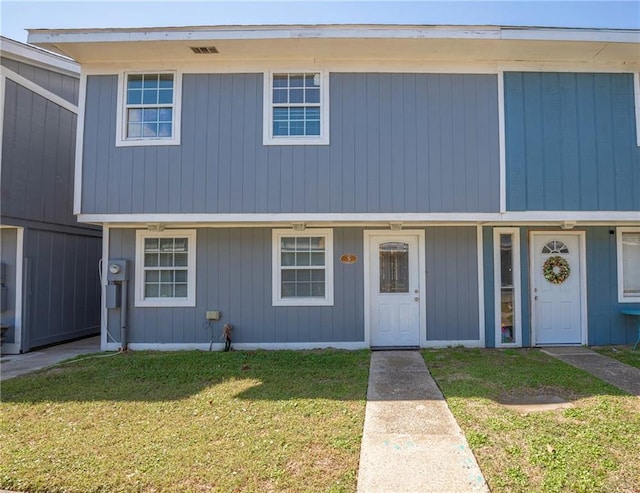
(556, 270)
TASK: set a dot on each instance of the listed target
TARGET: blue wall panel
(571, 142)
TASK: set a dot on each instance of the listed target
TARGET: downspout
(123, 316)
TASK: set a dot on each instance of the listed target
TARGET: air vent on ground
(204, 50)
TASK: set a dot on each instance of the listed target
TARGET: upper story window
(296, 108)
(149, 109)
(628, 240)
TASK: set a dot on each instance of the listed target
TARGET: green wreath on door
(556, 269)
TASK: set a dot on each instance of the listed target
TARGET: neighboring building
(50, 288)
(361, 186)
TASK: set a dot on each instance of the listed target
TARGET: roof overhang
(345, 42)
(21, 52)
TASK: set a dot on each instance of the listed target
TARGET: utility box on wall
(117, 270)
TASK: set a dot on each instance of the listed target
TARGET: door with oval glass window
(394, 291)
(556, 288)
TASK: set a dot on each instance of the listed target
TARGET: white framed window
(507, 287)
(303, 267)
(148, 108)
(296, 108)
(165, 268)
(628, 255)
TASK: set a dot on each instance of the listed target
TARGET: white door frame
(422, 279)
(584, 340)
(16, 346)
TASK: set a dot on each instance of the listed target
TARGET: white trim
(619, 266)
(2, 96)
(243, 346)
(636, 92)
(328, 31)
(16, 346)
(104, 313)
(502, 143)
(121, 140)
(366, 260)
(276, 299)
(39, 90)
(190, 300)
(481, 300)
(37, 56)
(517, 287)
(584, 321)
(267, 110)
(408, 218)
(77, 172)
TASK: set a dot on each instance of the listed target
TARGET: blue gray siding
(606, 325)
(234, 269)
(62, 85)
(399, 143)
(452, 284)
(62, 289)
(571, 142)
(38, 149)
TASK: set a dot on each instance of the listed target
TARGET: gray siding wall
(62, 287)
(452, 284)
(38, 148)
(399, 143)
(65, 86)
(234, 268)
(8, 245)
(571, 142)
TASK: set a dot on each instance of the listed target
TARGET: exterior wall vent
(204, 50)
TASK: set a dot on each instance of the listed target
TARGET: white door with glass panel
(557, 290)
(394, 290)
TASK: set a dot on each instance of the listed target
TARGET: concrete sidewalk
(612, 371)
(411, 442)
(13, 365)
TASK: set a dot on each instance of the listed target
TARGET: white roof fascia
(36, 56)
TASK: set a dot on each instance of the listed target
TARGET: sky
(18, 15)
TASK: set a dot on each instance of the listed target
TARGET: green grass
(592, 447)
(187, 421)
(624, 354)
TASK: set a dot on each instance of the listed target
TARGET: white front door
(557, 288)
(394, 289)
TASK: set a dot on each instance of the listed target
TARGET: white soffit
(435, 43)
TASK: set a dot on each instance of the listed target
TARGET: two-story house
(49, 279)
(360, 186)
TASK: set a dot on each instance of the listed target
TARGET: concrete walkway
(411, 442)
(13, 365)
(612, 371)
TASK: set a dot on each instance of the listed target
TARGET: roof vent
(204, 50)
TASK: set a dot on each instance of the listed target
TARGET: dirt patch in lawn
(525, 404)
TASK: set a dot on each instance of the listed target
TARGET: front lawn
(591, 447)
(187, 421)
(621, 353)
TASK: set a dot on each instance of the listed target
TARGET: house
(360, 186)
(49, 279)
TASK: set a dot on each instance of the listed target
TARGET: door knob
(416, 299)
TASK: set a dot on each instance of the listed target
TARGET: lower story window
(302, 268)
(165, 268)
(507, 286)
(628, 265)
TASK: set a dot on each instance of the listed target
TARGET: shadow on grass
(166, 376)
(505, 375)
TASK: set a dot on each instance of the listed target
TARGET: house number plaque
(349, 258)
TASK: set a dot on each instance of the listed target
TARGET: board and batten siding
(234, 268)
(38, 149)
(571, 142)
(399, 143)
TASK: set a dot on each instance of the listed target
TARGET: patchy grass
(187, 421)
(625, 354)
(590, 447)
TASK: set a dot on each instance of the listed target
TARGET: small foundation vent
(204, 50)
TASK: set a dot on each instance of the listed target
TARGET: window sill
(303, 302)
(148, 142)
(166, 302)
(295, 141)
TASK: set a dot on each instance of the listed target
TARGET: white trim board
(37, 56)
(16, 346)
(40, 91)
(77, 172)
(481, 300)
(408, 219)
(636, 92)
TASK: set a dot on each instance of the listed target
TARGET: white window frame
(140, 299)
(621, 297)
(636, 92)
(517, 287)
(278, 300)
(121, 124)
(267, 113)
